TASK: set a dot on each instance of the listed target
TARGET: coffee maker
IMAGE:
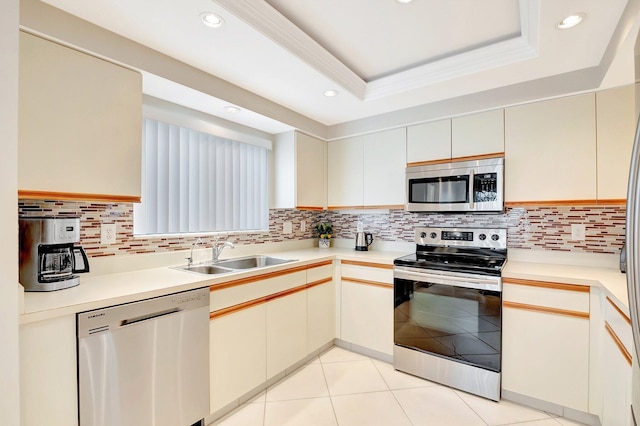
(49, 256)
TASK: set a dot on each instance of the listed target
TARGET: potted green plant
(324, 231)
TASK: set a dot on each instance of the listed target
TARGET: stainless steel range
(447, 308)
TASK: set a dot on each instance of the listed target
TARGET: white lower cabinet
(237, 350)
(48, 378)
(286, 332)
(367, 306)
(321, 307)
(616, 367)
(545, 349)
(264, 325)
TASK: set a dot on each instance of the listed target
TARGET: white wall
(9, 367)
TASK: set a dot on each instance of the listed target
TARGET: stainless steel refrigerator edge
(632, 245)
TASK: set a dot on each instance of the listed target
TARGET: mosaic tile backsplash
(545, 228)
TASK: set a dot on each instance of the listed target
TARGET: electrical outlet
(303, 226)
(578, 231)
(287, 228)
(107, 233)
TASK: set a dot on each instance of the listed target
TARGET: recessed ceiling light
(330, 93)
(404, 1)
(212, 20)
(571, 21)
(232, 109)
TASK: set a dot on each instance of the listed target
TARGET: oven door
(452, 316)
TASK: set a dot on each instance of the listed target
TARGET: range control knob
(423, 235)
(495, 237)
(433, 235)
(482, 237)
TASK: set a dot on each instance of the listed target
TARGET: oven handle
(475, 283)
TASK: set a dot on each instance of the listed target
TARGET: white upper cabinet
(550, 150)
(384, 168)
(300, 171)
(478, 134)
(346, 173)
(615, 131)
(429, 141)
(80, 124)
(367, 171)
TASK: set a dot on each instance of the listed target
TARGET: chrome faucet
(190, 258)
(218, 247)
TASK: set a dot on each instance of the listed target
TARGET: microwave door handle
(471, 183)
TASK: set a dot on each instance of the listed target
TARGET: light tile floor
(348, 389)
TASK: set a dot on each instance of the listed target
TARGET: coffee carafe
(49, 256)
(363, 241)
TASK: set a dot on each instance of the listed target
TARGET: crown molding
(267, 20)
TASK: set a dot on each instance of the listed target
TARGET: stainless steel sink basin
(206, 269)
(252, 262)
(234, 265)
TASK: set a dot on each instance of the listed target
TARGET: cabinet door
(367, 306)
(311, 172)
(384, 168)
(547, 143)
(286, 332)
(345, 173)
(80, 122)
(615, 133)
(545, 343)
(617, 348)
(321, 315)
(429, 141)
(48, 373)
(478, 134)
(238, 354)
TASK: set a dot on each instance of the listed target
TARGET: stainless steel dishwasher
(146, 362)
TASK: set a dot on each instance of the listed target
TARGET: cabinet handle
(623, 350)
(546, 310)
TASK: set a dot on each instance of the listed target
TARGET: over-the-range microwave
(463, 186)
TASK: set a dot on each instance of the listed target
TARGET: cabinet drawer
(239, 291)
(319, 273)
(555, 297)
(618, 326)
(375, 272)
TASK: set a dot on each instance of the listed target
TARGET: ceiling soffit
(270, 22)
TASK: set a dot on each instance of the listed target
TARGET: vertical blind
(197, 182)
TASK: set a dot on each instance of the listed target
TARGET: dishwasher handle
(147, 317)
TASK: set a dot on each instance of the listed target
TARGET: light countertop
(98, 291)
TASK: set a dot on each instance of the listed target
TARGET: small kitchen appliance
(363, 241)
(49, 256)
(447, 308)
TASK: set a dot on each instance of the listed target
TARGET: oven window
(439, 190)
(458, 323)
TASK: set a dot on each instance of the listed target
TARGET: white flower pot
(324, 242)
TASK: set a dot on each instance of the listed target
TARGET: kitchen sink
(234, 265)
(208, 269)
(252, 262)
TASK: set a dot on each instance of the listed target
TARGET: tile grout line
(470, 407)
(392, 393)
(324, 375)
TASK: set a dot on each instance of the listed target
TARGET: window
(197, 182)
